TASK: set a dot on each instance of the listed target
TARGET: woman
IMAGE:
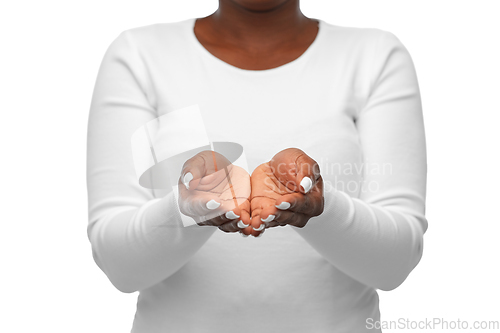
(287, 88)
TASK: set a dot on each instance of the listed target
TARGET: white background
(50, 54)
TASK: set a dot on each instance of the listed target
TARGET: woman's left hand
(286, 190)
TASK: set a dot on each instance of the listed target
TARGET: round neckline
(288, 66)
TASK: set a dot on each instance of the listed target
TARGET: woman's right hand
(215, 192)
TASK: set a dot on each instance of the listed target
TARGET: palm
(232, 191)
(213, 179)
(266, 188)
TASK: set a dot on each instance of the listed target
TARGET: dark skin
(256, 200)
(256, 34)
(259, 35)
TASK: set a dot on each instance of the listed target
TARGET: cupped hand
(215, 192)
(286, 190)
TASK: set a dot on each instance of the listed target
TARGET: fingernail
(306, 184)
(284, 205)
(260, 234)
(262, 226)
(231, 215)
(187, 178)
(242, 225)
(243, 235)
(268, 219)
(212, 204)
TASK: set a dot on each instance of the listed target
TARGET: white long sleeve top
(351, 102)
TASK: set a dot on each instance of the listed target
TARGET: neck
(254, 30)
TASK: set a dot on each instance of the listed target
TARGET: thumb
(207, 168)
(308, 173)
(193, 170)
(295, 169)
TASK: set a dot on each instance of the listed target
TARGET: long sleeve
(377, 238)
(137, 240)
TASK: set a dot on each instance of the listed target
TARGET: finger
(239, 213)
(283, 218)
(257, 226)
(257, 204)
(213, 204)
(192, 171)
(295, 169)
(270, 216)
(203, 165)
(233, 214)
(292, 218)
(247, 231)
(255, 223)
(311, 204)
(235, 219)
(258, 234)
(245, 219)
(202, 204)
(308, 173)
(230, 226)
(225, 224)
(283, 167)
(243, 223)
(274, 217)
(251, 231)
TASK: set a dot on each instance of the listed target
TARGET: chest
(267, 115)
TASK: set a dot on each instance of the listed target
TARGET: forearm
(378, 237)
(376, 245)
(139, 247)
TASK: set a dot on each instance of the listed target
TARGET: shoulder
(365, 40)
(157, 34)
